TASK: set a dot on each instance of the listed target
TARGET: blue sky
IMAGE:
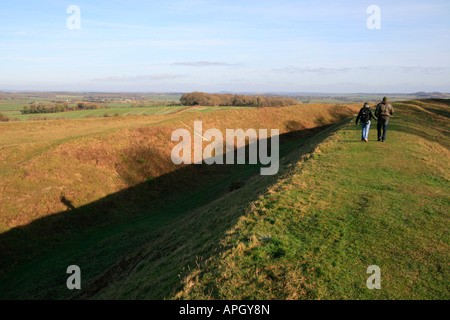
(213, 46)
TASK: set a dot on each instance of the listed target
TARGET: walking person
(383, 111)
(365, 115)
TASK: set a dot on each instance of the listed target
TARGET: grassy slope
(91, 158)
(185, 243)
(351, 205)
(30, 183)
(326, 226)
(107, 233)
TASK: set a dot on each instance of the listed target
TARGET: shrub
(3, 118)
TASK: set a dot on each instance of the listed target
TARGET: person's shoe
(366, 140)
(379, 139)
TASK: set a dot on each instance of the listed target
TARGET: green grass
(189, 240)
(18, 104)
(11, 107)
(350, 206)
(96, 113)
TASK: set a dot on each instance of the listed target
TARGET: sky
(225, 46)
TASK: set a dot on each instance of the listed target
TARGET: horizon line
(220, 92)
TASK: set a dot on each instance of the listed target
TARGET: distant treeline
(41, 108)
(206, 99)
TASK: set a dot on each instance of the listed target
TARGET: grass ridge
(315, 232)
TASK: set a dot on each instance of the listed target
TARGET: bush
(3, 118)
(88, 106)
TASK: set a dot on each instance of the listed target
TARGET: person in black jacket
(365, 115)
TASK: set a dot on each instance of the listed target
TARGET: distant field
(124, 111)
(12, 103)
(97, 113)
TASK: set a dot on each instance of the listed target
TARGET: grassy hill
(127, 194)
(337, 206)
(350, 205)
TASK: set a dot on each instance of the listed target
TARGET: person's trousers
(365, 127)
(382, 125)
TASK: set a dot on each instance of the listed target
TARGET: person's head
(366, 105)
(385, 100)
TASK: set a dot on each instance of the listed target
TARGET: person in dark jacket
(365, 115)
(383, 111)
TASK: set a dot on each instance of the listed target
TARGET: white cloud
(202, 64)
(139, 78)
(326, 70)
(292, 69)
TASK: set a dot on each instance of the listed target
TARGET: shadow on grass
(67, 203)
(120, 226)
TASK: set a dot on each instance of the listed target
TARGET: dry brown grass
(87, 159)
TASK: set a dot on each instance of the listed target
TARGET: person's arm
(372, 116)
(377, 111)
(391, 110)
(358, 117)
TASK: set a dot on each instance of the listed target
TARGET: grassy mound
(351, 205)
(99, 192)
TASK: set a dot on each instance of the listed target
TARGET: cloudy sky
(214, 46)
